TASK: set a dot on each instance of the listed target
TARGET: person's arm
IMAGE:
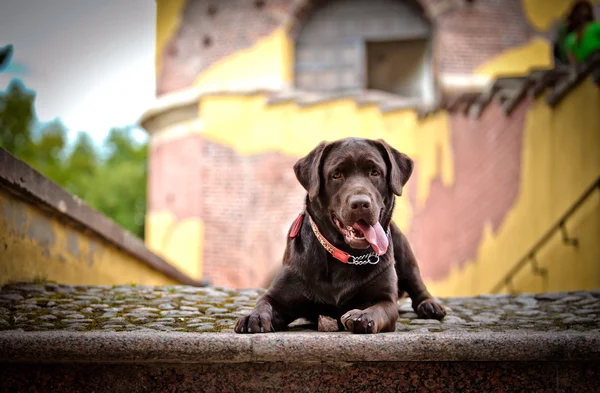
(569, 48)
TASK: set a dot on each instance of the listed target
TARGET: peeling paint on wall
(35, 245)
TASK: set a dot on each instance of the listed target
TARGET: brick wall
(174, 183)
(466, 35)
(250, 203)
(246, 204)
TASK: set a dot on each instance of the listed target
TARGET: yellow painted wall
(168, 19)
(179, 242)
(38, 247)
(537, 53)
(542, 13)
(560, 160)
(268, 62)
(560, 155)
(295, 130)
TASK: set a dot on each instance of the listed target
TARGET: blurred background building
(504, 142)
(505, 135)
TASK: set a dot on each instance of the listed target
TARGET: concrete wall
(35, 246)
(483, 192)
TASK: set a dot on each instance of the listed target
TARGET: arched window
(355, 44)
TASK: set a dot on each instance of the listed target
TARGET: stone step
(136, 339)
(298, 361)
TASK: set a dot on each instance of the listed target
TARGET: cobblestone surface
(49, 306)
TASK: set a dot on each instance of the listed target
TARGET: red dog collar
(371, 258)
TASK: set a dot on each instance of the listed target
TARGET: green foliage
(16, 116)
(111, 178)
(118, 186)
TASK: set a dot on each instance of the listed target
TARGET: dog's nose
(360, 202)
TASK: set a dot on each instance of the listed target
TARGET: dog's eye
(337, 175)
(375, 172)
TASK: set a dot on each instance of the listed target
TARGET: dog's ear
(307, 170)
(400, 166)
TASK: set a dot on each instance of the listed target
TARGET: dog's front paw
(430, 309)
(360, 321)
(256, 322)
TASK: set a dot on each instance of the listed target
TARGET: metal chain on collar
(371, 258)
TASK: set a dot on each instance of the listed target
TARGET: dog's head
(352, 183)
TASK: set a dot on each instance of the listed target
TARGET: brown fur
(363, 299)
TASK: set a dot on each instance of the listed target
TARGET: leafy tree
(82, 166)
(115, 185)
(16, 118)
(122, 176)
(49, 150)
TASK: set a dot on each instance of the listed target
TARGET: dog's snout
(360, 202)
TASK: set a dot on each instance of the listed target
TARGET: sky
(90, 62)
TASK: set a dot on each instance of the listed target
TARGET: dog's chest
(338, 284)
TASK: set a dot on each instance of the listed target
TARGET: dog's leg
(276, 309)
(409, 280)
(380, 317)
(263, 319)
(422, 301)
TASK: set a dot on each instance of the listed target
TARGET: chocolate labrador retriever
(337, 261)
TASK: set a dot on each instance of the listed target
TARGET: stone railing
(50, 234)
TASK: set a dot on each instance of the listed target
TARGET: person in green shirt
(584, 37)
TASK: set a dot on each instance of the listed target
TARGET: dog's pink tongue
(375, 235)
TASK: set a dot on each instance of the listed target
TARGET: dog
(338, 260)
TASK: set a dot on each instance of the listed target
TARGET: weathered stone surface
(424, 322)
(32, 307)
(76, 321)
(423, 344)
(215, 310)
(116, 321)
(47, 317)
(75, 316)
(453, 319)
(11, 296)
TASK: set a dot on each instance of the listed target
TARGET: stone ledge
(53, 322)
(64, 338)
(304, 347)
